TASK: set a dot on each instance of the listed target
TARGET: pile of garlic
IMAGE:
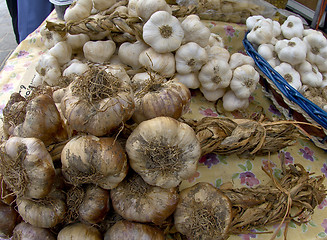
(299, 55)
(180, 49)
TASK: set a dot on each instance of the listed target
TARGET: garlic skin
(43, 213)
(103, 4)
(232, 103)
(50, 38)
(99, 51)
(26, 231)
(101, 116)
(9, 219)
(77, 41)
(162, 63)
(252, 20)
(77, 231)
(37, 165)
(190, 80)
(215, 74)
(106, 167)
(292, 27)
(62, 51)
(77, 68)
(198, 204)
(131, 7)
(129, 53)
(156, 97)
(292, 51)
(216, 52)
(239, 59)
(310, 74)
(215, 40)
(145, 8)
(292, 76)
(262, 32)
(135, 200)
(267, 51)
(195, 31)
(213, 95)
(163, 151)
(163, 32)
(190, 57)
(316, 48)
(131, 230)
(78, 10)
(49, 69)
(244, 81)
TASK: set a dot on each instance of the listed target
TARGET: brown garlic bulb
(41, 120)
(78, 231)
(163, 151)
(89, 159)
(44, 213)
(90, 205)
(155, 96)
(130, 230)
(27, 167)
(135, 200)
(26, 231)
(98, 101)
(203, 212)
(8, 220)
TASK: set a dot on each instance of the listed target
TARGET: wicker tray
(288, 100)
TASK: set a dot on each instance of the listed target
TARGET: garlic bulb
(62, 51)
(215, 74)
(232, 103)
(217, 52)
(215, 40)
(50, 38)
(26, 231)
(163, 151)
(89, 159)
(76, 67)
(78, 10)
(77, 41)
(98, 101)
(213, 95)
(195, 30)
(163, 32)
(310, 74)
(145, 8)
(154, 96)
(239, 59)
(27, 167)
(190, 80)
(131, 230)
(103, 4)
(78, 231)
(203, 204)
(131, 6)
(129, 53)
(8, 220)
(292, 76)
(43, 213)
(89, 204)
(135, 200)
(49, 69)
(99, 51)
(162, 63)
(190, 58)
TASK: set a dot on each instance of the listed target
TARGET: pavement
(7, 36)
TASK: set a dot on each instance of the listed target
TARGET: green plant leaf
(248, 165)
(312, 224)
(292, 224)
(304, 227)
(242, 167)
(322, 234)
(235, 175)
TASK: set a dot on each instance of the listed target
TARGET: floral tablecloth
(214, 169)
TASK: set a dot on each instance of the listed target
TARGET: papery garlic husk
(154, 97)
(135, 200)
(103, 4)
(27, 167)
(98, 101)
(163, 151)
(78, 231)
(8, 220)
(145, 8)
(42, 119)
(50, 38)
(7, 196)
(88, 204)
(89, 159)
(162, 63)
(49, 69)
(26, 231)
(44, 213)
(203, 212)
(131, 230)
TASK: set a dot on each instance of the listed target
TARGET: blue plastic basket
(312, 110)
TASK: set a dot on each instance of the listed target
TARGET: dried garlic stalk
(224, 136)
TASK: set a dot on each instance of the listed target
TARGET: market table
(215, 169)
